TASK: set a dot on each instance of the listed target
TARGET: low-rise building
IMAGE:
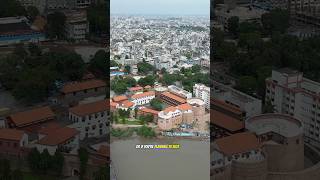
(62, 139)
(143, 98)
(12, 142)
(30, 120)
(179, 92)
(75, 91)
(92, 119)
(172, 99)
(15, 30)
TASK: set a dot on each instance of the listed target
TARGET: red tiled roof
(127, 104)
(137, 88)
(185, 107)
(225, 121)
(175, 97)
(119, 98)
(49, 128)
(113, 104)
(90, 108)
(59, 136)
(238, 143)
(145, 94)
(80, 86)
(170, 109)
(31, 116)
(147, 87)
(226, 106)
(11, 134)
(104, 150)
(148, 110)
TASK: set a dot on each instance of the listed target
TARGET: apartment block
(292, 94)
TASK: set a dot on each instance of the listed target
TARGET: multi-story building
(290, 93)
(14, 30)
(12, 142)
(143, 98)
(179, 92)
(77, 25)
(272, 148)
(55, 138)
(30, 120)
(171, 99)
(191, 112)
(203, 92)
(92, 119)
(250, 105)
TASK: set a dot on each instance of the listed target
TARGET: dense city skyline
(164, 7)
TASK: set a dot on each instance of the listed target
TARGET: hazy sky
(175, 7)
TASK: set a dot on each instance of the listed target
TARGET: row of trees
(44, 162)
(252, 57)
(6, 173)
(31, 75)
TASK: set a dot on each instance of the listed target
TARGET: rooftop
(284, 125)
(84, 85)
(175, 97)
(119, 98)
(238, 143)
(11, 134)
(224, 121)
(145, 94)
(90, 108)
(59, 136)
(31, 116)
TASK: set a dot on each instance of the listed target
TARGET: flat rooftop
(281, 124)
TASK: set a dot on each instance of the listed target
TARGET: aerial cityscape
(160, 96)
(54, 111)
(265, 90)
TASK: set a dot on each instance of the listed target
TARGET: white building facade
(203, 92)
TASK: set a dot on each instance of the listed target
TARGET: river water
(190, 162)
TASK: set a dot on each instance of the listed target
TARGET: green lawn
(135, 122)
(30, 176)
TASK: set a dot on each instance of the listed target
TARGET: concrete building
(250, 105)
(12, 142)
(272, 149)
(77, 25)
(143, 98)
(92, 119)
(15, 30)
(203, 92)
(245, 14)
(290, 93)
(179, 92)
(55, 138)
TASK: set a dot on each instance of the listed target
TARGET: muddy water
(190, 162)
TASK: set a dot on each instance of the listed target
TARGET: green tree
(146, 132)
(34, 159)
(45, 161)
(100, 63)
(148, 80)
(233, 25)
(57, 162)
(276, 20)
(102, 174)
(5, 169)
(10, 8)
(32, 12)
(127, 69)
(144, 68)
(56, 25)
(156, 104)
(83, 157)
(247, 84)
(16, 175)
